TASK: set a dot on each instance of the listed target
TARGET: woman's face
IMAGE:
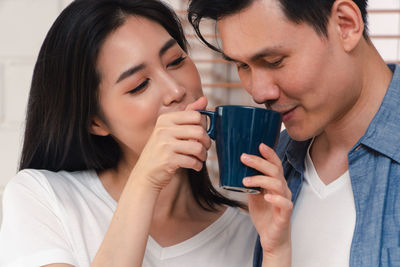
(144, 73)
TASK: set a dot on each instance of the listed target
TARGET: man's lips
(287, 114)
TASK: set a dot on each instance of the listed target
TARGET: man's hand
(270, 210)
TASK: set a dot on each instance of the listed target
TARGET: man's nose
(263, 87)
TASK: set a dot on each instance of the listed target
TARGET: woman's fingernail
(246, 180)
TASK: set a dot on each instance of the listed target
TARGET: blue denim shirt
(374, 167)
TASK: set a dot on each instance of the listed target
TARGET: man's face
(306, 77)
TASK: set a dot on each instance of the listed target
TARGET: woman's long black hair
(64, 92)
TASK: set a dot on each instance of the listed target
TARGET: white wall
(23, 25)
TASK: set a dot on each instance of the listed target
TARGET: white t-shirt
(62, 217)
(323, 221)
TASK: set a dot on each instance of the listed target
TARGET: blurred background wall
(24, 23)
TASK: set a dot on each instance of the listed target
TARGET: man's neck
(329, 149)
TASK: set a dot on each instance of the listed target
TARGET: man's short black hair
(316, 13)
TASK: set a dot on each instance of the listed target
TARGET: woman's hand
(179, 140)
(271, 209)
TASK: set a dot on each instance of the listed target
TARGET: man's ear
(349, 23)
(98, 127)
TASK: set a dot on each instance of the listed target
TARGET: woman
(112, 167)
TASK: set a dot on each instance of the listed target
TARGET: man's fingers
(269, 154)
(261, 165)
(270, 184)
(283, 204)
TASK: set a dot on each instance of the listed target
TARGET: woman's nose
(174, 92)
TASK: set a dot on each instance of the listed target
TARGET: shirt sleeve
(32, 233)
(258, 255)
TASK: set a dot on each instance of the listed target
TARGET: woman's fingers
(191, 148)
(188, 117)
(183, 132)
(169, 147)
(187, 162)
(199, 104)
(192, 132)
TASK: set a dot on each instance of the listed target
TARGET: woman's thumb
(199, 104)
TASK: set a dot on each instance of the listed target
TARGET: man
(312, 61)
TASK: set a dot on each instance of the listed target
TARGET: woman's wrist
(144, 182)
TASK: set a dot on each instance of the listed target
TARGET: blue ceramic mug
(237, 130)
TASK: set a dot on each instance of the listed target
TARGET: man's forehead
(262, 7)
(251, 35)
(255, 55)
(260, 14)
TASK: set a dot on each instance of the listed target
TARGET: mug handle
(211, 115)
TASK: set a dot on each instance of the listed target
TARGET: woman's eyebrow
(130, 71)
(170, 43)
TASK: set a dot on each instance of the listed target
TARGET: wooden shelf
(215, 36)
(374, 11)
(223, 85)
(211, 60)
(383, 11)
(376, 36)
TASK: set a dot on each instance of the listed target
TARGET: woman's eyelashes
(139, 87)
(176, 62)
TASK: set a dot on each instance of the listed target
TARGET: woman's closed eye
(176, 62)
(139, 87)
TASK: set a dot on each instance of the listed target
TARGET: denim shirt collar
(383, 133)
(296, 153)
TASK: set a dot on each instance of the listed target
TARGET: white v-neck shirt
(323, 221)
(229, 241)
(62, 217)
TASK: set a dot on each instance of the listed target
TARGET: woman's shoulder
(29, 179)
(44, 177)
(61, 192)
(37, 182)
(238, 230)
(238, 217)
